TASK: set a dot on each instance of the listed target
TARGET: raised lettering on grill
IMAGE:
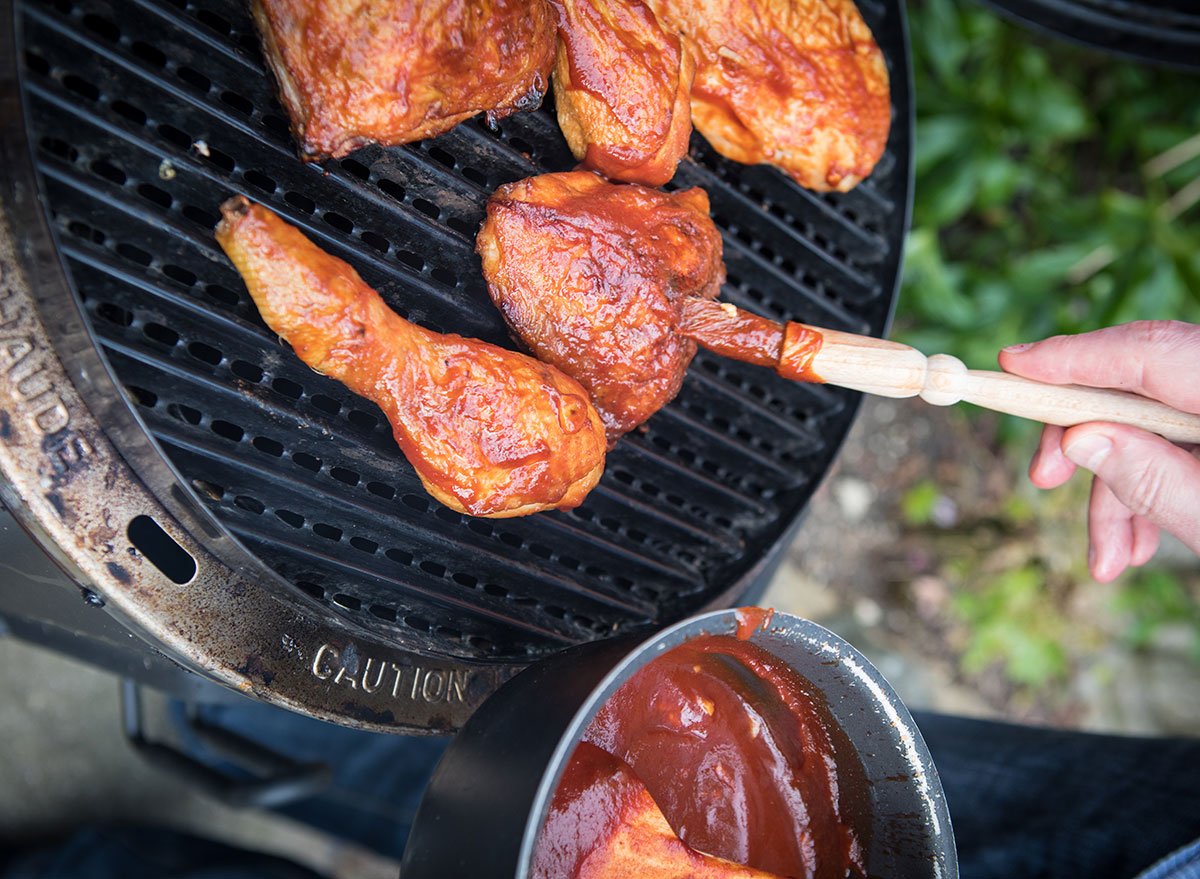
(371, 675)
(25, 367)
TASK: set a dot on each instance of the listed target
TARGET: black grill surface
(146, 114)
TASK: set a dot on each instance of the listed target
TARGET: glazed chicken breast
(490, 432)
(353, 72)
(622, 86)
(591, 276)
(800, 84)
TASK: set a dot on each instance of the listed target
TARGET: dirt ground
(928, 549)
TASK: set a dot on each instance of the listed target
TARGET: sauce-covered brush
(891, 369)
(616, 285)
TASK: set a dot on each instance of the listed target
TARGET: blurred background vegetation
(1057, 191)
(1047, 197)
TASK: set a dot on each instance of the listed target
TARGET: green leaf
(1057, 113)
(938, 33)
(1012, 622)
(918, 503)
(1042, 270)
(939, 137)
(1161, 293)
(934, 284)
(1000, 179)
(949, 191)
(1033, 660)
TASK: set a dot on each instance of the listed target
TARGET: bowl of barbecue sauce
(738, 743)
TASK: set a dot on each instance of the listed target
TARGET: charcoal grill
(254, 521)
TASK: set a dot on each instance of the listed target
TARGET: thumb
(1152, 477)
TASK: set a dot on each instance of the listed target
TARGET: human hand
(1142, 482)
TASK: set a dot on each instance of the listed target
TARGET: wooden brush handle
(889, 369)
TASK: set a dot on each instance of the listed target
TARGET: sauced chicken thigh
(591, 276)
(621, 89)
(490, 432)
(353, 72)
(800, 84)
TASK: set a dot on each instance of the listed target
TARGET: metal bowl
(485, 806)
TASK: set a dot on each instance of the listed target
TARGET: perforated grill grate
(147, 114)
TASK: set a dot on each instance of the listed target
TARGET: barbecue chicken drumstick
(800, 84)
(615, 284)
(395, 71)
(621, 89)
(490, 432)
(591, 277)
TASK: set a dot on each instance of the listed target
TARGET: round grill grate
(145, 115)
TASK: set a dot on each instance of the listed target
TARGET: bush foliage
(1057, 191)
(1044, 203)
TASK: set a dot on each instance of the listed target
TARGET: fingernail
(1017, 349)
(1089, 450)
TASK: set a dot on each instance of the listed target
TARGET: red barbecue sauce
(751, 619)
(737, 755)
(731, 332)
(801, 345)
(790, 348)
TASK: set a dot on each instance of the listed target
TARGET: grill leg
(270, 779)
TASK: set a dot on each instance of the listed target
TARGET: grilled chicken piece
(603, 824)
(490, 432)
(621, 89)
(395, 71)
(797, 83)
(591, 277)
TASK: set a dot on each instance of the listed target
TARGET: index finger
(1158, 359)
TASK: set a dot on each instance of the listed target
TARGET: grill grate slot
(299, 188)
(145, 115)
(811, 261)
(422, 569)
(291, 452)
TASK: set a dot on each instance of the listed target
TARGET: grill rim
(90, 371)
(77, 347)
(214, 623)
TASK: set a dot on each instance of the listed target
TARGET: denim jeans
(1051, 804)
(1024, 802)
